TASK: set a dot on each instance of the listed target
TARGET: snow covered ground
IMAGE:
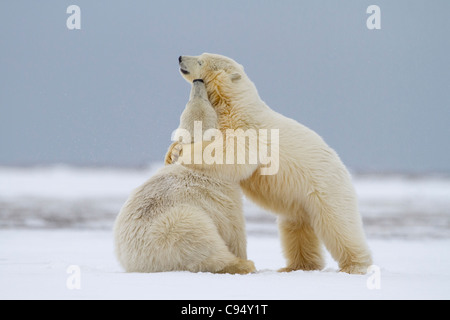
(34, 264)
(52, 218)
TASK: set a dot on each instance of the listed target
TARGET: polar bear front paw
(174, 152)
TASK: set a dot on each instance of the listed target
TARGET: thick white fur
(312, 192)
(198, 109)
(183, 218)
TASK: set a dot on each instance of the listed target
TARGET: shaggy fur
(182, 218)
(312, 192)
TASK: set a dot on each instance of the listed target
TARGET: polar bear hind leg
(187, 239)
(301, 247)
(343, 236)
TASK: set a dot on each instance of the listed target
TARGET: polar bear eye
(200, 62)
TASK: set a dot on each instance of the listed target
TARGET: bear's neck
(231, 106)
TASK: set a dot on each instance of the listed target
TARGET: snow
(52, 218)
(34, 264)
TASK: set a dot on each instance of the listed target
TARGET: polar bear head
(224, 78)
(210, 66)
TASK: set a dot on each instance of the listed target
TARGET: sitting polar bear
(184, 219)
(312, 191)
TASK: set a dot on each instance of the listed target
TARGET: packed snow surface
(36, 264)
(56, 242)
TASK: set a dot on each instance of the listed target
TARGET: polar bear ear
(235, 77)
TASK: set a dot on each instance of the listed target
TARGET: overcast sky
(111, 94)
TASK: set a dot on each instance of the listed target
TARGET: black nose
(179, 59)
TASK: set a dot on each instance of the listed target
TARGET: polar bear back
(175, 184)
(180, 219)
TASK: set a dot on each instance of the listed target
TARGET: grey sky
(111, 94)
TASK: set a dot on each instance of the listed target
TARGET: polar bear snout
(190, 67)
(183, 67)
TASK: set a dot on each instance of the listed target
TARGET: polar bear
(198, 109)
(182, 218)
(312, 191)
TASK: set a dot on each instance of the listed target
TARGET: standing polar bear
(183, 218)
(312, 191)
